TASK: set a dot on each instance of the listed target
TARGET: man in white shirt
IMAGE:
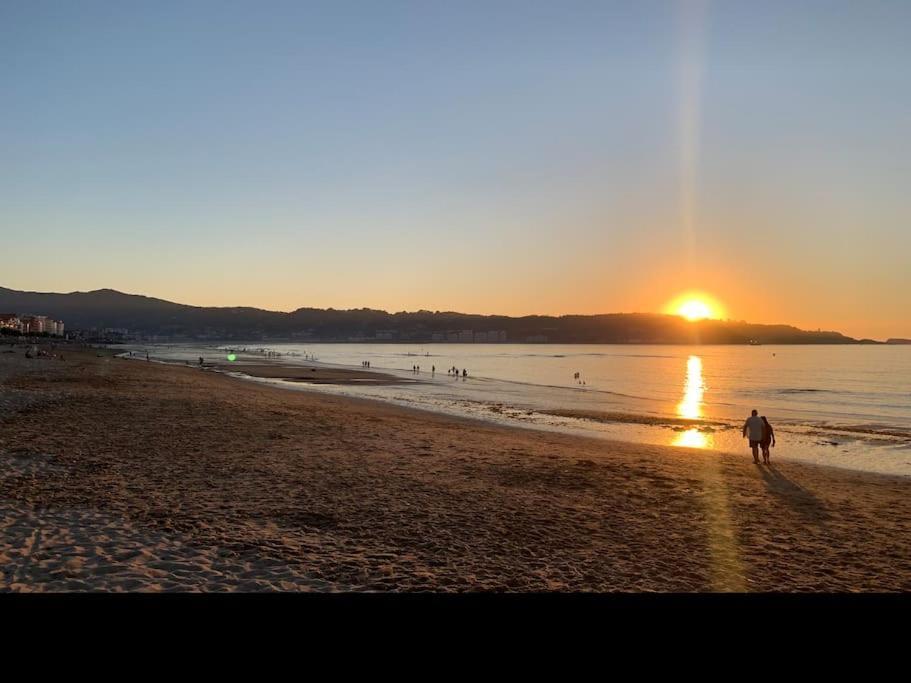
(753, 425)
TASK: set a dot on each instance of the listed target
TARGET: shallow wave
(805, 391)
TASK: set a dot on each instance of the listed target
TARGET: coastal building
(452, 336)
(439, 336)
(10, 321)
(34, 324)
(480, 337)
(31, 324)
(466, 336)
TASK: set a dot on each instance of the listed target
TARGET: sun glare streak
(691, 65)
(727, 569)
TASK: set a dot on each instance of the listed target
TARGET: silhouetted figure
(768, 439)
(464, 372)
(200, 361)
(754, 425)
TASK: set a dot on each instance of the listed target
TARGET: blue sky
(513, 157)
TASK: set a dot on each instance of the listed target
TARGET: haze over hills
(150, 317)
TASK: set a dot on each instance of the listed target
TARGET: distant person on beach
(768, 439)
(755, 427)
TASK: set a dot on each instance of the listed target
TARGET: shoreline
(604, 425)
(141, 476)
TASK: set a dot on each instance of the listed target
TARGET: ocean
(846, 406)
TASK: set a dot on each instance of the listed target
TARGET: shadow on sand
(799, 499)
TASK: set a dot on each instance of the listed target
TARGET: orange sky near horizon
(740, 303)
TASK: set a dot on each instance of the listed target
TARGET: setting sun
(695, 306)
(695, 310)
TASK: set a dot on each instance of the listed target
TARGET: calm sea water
(847, 406)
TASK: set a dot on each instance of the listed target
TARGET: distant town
(30, 325)
(41, 325)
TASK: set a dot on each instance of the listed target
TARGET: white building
(34, 324)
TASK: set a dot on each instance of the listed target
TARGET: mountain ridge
(145, 315)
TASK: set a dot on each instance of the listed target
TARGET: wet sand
(126, 475)
(308, 374)
(631, 418)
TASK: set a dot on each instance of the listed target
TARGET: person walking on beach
(768, 439)
(754, 425)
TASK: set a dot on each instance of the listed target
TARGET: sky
(485, 157)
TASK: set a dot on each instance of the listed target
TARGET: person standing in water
(754, 426)
(768, 439)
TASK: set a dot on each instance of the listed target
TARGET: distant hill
(147, 316)
(898, 341)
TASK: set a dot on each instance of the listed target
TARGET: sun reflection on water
(693, 438)
(691, 406)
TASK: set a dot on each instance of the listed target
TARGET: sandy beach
(123, 475)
